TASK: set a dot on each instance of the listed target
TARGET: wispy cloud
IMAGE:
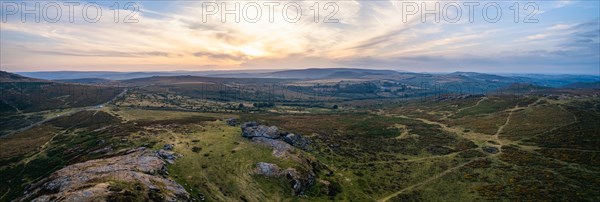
(370, 34)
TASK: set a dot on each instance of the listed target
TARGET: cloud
(537, 36)
(370, 34)
(237, 56)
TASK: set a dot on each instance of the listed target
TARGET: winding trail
(510, 114)
(13, 106)
(427, 181)
(468, 135)
(409, 160)
(73, 111)
(469, 107)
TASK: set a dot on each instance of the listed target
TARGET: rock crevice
(283, 145)
(139, 170)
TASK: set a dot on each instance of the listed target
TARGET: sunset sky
(171, 35)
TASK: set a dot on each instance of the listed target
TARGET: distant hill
(69, 75)
(482, 76)
(186, 80)
(415, 79)
(554, 80)
(20, 94)
(315, 73)
(7, 77)
(86, 81)
(583, 85)
(523, 88)
(311, 73)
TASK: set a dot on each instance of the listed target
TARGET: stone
(300, 181)
(298, 141)
(248, 124)
(168, 147)
(91, 180)
(231, 121)
(267, 169)
(169, 156)
(261, 131)
(280, 148)
(491, 150)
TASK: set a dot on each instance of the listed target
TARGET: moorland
(301, 135)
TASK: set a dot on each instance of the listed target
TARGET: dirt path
(462, 109)
(427, 181)
(16, 109)
(506, 122)
(73, 111)
(508, 118)
(409, 160)
(469, 135)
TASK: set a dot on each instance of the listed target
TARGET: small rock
(251, 129)
(299, 181)
(169, 156)
(231, 121)
(297, 141)
(168, 147)
(267, 169)
(248, 124)
(91, 180)
(280, 148)
(491, 150)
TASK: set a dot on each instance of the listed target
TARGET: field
(530, 147)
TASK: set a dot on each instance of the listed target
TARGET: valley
(348, 139)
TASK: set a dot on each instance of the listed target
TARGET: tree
(334, 107)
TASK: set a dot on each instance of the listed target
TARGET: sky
(554, 37)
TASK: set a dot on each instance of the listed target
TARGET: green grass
(494, 104)
(363, 149)
(222, 169)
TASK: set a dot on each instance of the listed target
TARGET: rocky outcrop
(280, 148)
(252, 129)
(297, 141)
(283, 145)
(299, 181)
(491, 150)
(168, 156)
(231, 121)
(168, 147)
(138, 173)
(267, 169)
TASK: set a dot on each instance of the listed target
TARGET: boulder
(168, 147)
(231, 121)
(298, 141)
(169, 156)
(261, 131)
(300, 181)
(94, 180)
(267, 169)
(491, 150)
(284, 146)
(280, 148)
(248, 124)
(329, 188)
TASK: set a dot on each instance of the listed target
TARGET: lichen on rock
(136, 175)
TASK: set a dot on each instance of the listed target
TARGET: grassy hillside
(533, 147)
